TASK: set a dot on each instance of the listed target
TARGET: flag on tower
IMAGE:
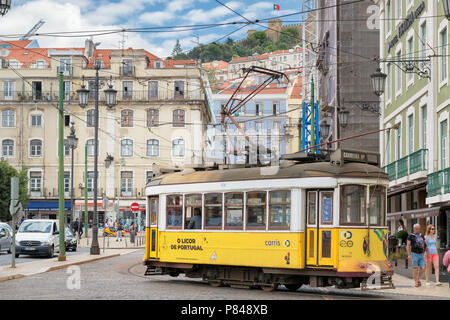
(276, 7)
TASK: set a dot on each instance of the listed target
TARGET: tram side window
(256, 210)
(280, 209)
(312, 199)
(213, 211)
(377, 205)
(193, 211)
(174, 211)
(234, 208)
(353, 199)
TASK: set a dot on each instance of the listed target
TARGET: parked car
(38, 237)
(5, 239)
(7, 226)
(71, 241)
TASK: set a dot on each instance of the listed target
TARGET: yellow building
(160, 118)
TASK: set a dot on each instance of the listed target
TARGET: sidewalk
(109, 242)
(46, 265)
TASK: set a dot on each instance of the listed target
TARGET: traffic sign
(135, 206)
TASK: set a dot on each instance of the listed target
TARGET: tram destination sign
(406, 24)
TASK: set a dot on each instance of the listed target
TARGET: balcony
(406, 166)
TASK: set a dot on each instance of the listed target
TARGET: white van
(38, 237)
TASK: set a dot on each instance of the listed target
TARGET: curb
(18, 276)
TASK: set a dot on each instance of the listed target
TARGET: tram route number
(344, 243)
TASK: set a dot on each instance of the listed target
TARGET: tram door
(152, 238)
(319, 224)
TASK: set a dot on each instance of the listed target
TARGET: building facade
(159, 121)
(414, 45)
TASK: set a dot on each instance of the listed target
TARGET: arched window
(126, 118)
(7, 148)
(8, 118)
(126, 148)
(178, 118)
(90, 118)
(35, 148)
(152, 117)
(178, 148)
(152, 148)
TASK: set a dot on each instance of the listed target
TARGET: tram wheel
(215, 283)
(269, 287)
(292, 286)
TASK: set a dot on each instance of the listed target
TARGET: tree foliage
(6, 173)
(256, 43)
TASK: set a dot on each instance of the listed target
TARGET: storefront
(46, 210)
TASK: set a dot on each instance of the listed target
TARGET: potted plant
(402, 235)
(19, 96)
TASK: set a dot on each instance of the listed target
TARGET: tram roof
(285, 171)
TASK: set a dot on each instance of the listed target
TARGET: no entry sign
(135, 206)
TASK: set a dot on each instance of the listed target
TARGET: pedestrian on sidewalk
(416, 248)
(80, 229)
(75, 227)
(119, 230)
(446, 262)
(432, 258)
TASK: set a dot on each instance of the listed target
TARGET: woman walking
(432, 257)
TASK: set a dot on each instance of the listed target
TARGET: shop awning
(414, 214)
(46, 206)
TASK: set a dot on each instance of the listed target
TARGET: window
(424, 127)
(36, 120)
(127, 87)
(388, 147)
(149, 176)
(399, 142)
(90, 182)
(410, 45)
(8, 90)
(398, 79)
(174, 211)
(37, 90)
(213, 211)
(399, 9)
(126, 183)
(91, 86)
(377, 205)
(258, 109)
(65, 66)
(158, 64)
(66, 148)
(67, 182)
(258, 126)
(67, 120)
(178, 118)
(126, 118)
(388, 16)
(35, 148)
(275, 108)
(152, 117)
(8, 118)
(90, 118)
(326, 207)
(178, 148)
(90, 147)
(312, 207)
(126, 148)
(353, 203)
(256, 210)
(234, 210)
(444, 142)
(152, 148)
(279, 209)
(193, 210)
(423, 40)
(411, 134)
(388, 82)
(276, 126)
(153, 89)
(443, 68)
(35, 181)
(7, 148)
(66, 89)
(178, 89)
(127, 67)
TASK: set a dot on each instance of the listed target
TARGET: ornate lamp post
(343, 117)
(73, 143)
(5, 5)
(324, 129)
(378, 82)
(83, 95)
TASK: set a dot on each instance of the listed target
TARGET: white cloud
(156, 18)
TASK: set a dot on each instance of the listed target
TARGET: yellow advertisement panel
(275, 250)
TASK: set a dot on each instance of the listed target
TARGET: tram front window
(377, 203)
(353, 199)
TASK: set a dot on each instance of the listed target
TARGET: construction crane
(33, 30)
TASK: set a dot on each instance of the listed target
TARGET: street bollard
(108, 242)
(103, 244)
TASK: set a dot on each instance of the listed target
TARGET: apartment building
(159, 121)
(414, 45)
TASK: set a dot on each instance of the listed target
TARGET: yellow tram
(319, 223)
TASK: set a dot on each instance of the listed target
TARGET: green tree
(177, 49)
(6, 173)
(290, 37)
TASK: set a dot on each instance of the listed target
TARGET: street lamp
(73, 143)
(110, 95)
(343, 117)
(83, 95)
(324, 129)
(446, 4)
(378, 81)
(5, 5)
(109, 159)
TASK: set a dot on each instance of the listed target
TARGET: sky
(90, 15)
